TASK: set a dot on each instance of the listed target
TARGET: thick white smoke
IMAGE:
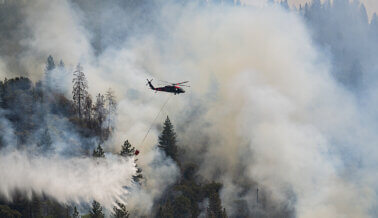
(277, 110)
(262, 103)
(67, 180)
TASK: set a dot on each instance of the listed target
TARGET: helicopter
(172, 87)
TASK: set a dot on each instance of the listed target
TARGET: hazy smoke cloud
(68, 180)
(263, 111)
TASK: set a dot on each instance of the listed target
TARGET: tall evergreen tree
(128, 151)
(167, 140)
(50, 64)
(61, 64)
(99, 110)
(6, 212)
(2, 93)
(75, 213)
(45, 141)
(79, 91)
(36, 207)
(88, 108)
(96, 211)
(98, 152)
(111, 104)
(120, 211)
(165, 211)
(215, 209)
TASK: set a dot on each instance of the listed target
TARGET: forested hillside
(30, 108)
(278, 118)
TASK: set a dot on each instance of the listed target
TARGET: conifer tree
(2, 93)
(165, 211)
(120, 211)
(111, 104)
(7, 212)
(75, 213)
(36, 207)
(167, 140)
(128, 151)
(99, 109)
(98, 152)
(79, 91)
(61, 64)
(50, 66)
(45, 141)
(88, 108)
(96, 211)
(215, 209)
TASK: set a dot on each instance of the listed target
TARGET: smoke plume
(267, 108)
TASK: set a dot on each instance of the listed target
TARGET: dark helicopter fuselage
(171, 88)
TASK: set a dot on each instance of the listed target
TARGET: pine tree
(79, 90)
(111, 107)
(96, 211)
(374, 24)
(88, 108)
(36, 207)
(45, 141)
(98, 152)
(363, 14)
(99, 110)
(128, 151)
(215, 209)
(2, 93)
(120, 211)
(167, 140)
(75, 213)
(50, 66)
(165, 211)
(61, 64)
(7, 212)
(284, 4)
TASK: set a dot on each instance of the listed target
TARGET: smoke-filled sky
(371, 5)
(265, 108)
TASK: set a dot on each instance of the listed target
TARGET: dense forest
(43, 118)
(28, 108)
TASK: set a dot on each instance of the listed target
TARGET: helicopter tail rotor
(148, 82)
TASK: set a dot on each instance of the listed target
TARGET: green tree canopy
(75, 213)
(215, 209)
(50, 64)
(96, 211)
(7, 212)
(127, 150)
(120, 211)
(79, 90)
(167, 140)
(98, 152)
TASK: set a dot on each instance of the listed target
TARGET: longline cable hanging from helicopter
(149, 129)
(172, 88)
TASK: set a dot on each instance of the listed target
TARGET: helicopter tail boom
(150, 84)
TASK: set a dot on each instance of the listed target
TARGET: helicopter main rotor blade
(165, 82)
(182, 83)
